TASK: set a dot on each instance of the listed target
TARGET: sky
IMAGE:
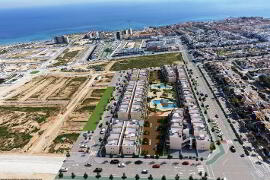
(31, 3)
(6, 4)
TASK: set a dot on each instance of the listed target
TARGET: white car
(63, 169)
(144, 171)
(83, 146)
(121, 165)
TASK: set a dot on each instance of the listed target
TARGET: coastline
(49, 35)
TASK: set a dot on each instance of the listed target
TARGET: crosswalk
(201, 169)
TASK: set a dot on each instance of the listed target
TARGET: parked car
(242, 155)
(115, 161)
(63, 169)
(185, 163)
(144, 171)
(88, 165)
(83, 146)
(156, 166)
(121, 165)
(138, 162)
(98, 170)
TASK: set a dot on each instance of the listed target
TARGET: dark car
(88, 165)
(156, 166)
(242, 155)
(185, 163)
(232, 148)
(138, 162)
(98, 170)
(114, 161)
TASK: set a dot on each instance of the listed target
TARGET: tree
(60, 175)
(85, 176)
(137, 177)
(111, 177)
(163, 177)
(124, 176)
(73, 175)
(150, 177)
(177, 177)
(218, 178)
(205, 174)
(68, 154)
(190, 177)
(98, 176)
(200, 173)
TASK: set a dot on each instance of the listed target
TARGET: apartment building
(179, 131)
(168, 73)
(183, 131)
(133, 105)
(115, 138)
(123, 137)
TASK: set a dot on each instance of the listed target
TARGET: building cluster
(161, 44)
(134, 101)
(123, 137)
(250, 105)
(123, 34)
(61, 39)
(124, 132)
(187, 126)
(92, 35)
(230, 38)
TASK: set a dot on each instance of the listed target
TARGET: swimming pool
(164, 103)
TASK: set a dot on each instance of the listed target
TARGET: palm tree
(73, 175)
(111, 177)
(155, 104)
(137, 177)
(124, 176)
(150, 177)
(177, 177)
(85, 176)
(163, 177)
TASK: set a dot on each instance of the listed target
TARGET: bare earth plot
(30, 110)
(78, 118)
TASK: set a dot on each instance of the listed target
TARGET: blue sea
(42, 23)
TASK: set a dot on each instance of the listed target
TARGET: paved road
(231, 165)
(30, 164)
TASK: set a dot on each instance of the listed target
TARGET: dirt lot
(19, 124)
(30, 109)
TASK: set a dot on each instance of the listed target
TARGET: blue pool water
(168, 106)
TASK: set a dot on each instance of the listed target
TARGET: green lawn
(34, 72)
(147, 61)
(96, 115)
